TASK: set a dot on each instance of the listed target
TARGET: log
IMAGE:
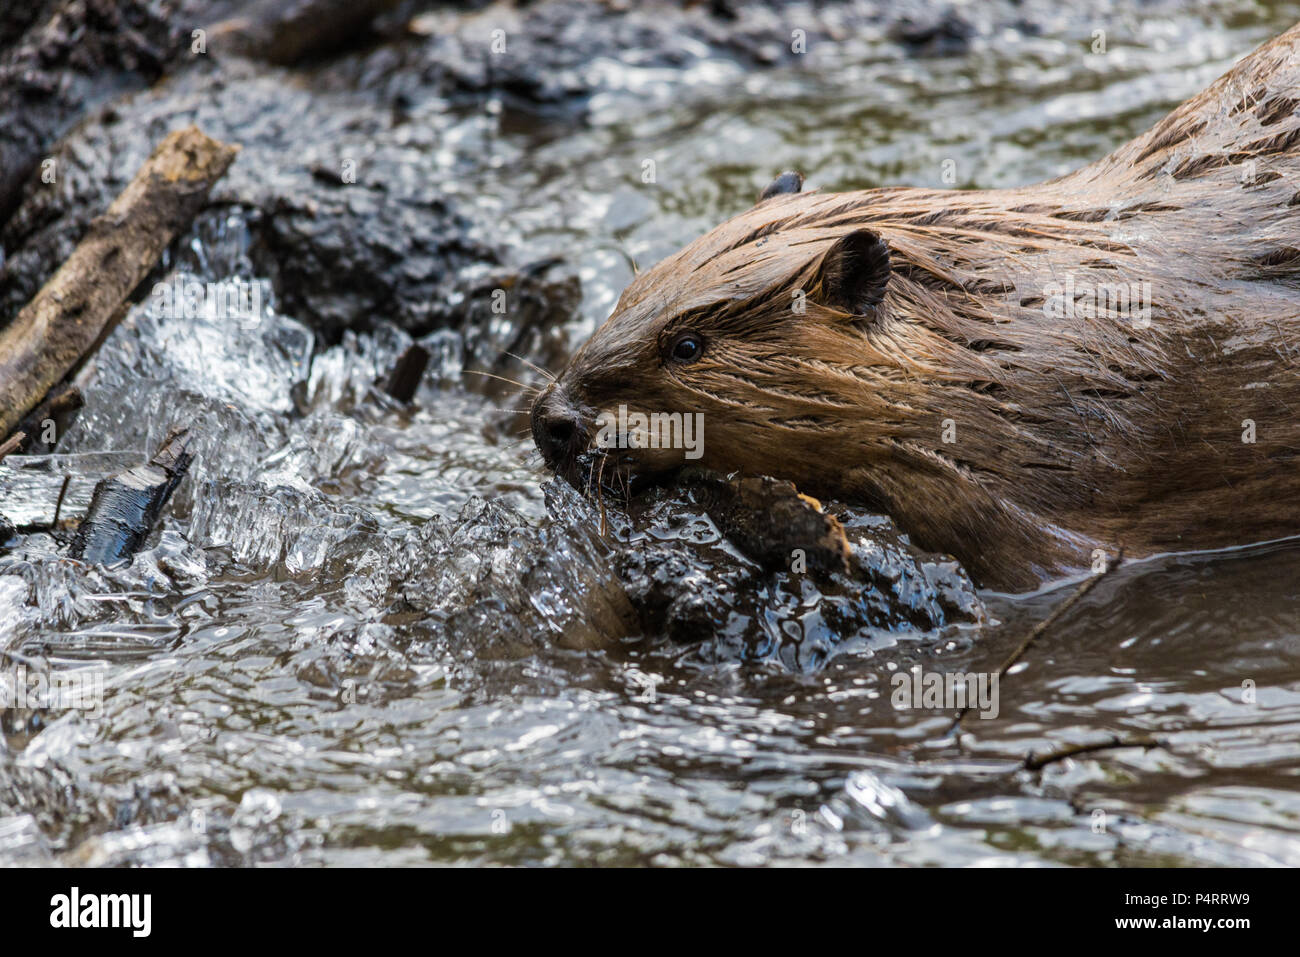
(11, 444)
(125, 506)
(62, 324)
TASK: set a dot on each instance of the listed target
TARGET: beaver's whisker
(600, 497)
(515, 382)
(627, 256)
(532, 365)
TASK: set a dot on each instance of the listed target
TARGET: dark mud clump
(734, 567)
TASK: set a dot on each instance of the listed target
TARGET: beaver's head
(735, 354)
(886, 348)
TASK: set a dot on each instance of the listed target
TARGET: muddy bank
(340, 255)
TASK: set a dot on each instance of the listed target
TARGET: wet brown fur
(1071, 434)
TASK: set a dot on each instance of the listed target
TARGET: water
(370, 634)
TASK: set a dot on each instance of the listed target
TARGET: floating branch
(1041, 628)
(1038, 762)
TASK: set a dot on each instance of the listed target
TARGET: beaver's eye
(686, 348)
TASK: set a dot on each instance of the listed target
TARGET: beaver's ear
(854, 272)
(787, 182)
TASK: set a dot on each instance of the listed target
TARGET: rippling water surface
(366, 633)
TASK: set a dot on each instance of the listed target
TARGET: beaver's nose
(558, 428)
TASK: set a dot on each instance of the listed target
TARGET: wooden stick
(11, 444)
(404, 379)
(1038, 762)
(1041, 628)
(55, 331)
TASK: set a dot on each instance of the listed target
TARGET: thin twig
(1037, 763)
(58, 506)
(1041, 628)
(1060, 610)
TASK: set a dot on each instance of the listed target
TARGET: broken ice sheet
(253, 358)
(294, 530)
(65, 607)
(157, 369)
(30, 484)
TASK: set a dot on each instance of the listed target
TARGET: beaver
(1024, 378)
